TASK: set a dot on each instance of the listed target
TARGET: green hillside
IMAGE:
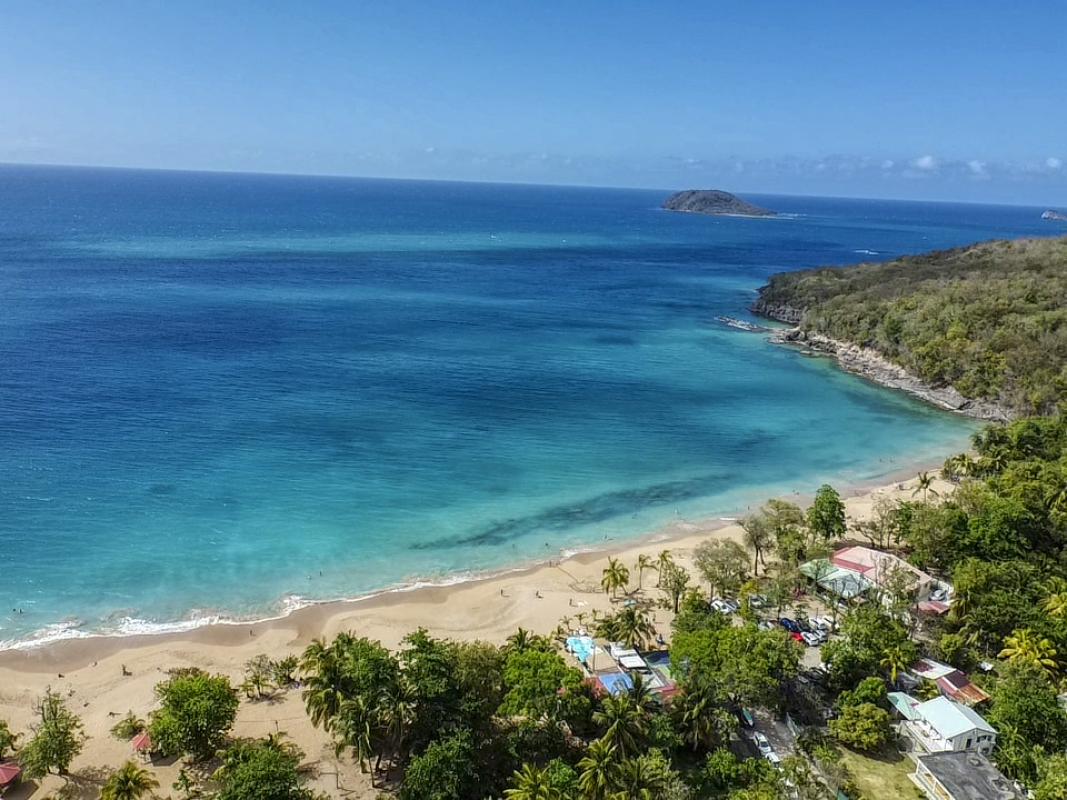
(989, 319)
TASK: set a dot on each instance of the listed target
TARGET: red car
(797, 637)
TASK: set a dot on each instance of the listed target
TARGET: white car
(764, 747)
(721, 607)
(812, 639)
(762, 744)
(822, 623)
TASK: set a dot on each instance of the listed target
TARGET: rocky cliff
(873, 366)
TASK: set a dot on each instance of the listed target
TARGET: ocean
(223, 396)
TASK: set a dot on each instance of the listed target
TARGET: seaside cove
(227, 396)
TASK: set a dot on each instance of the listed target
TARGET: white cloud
(888, 163)
(976, 167)
(1053, 163)
(927, 163)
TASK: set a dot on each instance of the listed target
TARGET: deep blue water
(214, 386)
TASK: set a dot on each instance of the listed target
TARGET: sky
(944, 100)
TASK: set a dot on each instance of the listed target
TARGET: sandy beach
(91, 672)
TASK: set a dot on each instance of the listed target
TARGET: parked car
(803, 625)
(789, 625)
(797, 636)
(732, 604)
(823, 623)
(757, 601)
(811, 639)
(764, 747)
(721, 606)
(814, 675)
(762, 744)
(940, 595)
(766, 625)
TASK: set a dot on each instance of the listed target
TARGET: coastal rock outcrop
(870, 364)
(714, 202)
(1055, 216)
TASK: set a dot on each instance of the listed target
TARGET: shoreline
(104, 678)
(69, 652)
(869, 364)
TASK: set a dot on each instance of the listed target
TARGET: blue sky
(939, 100)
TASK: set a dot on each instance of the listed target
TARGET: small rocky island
(715, 202)
(1055, 216)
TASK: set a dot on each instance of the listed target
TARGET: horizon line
(344, 176)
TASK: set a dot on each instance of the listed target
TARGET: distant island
(1056, 216)
(979, 329)
(715, 202)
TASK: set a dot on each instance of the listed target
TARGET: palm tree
(615, 577)
(353, 728)
(958, 466)
(520, 641)
(1024, 647)
(639, 781)
(640, 692)
(928, 690)
(697, 718)
(632, 627)
(1055, 605)
(323, 677)
(759, 538)
(599, 770)
(894, 661)
(925, 484)
(623, 722)
(129, 782)
(663, 561)
(396, 714)
(532, 783)
(643, 562)
(1056, 499)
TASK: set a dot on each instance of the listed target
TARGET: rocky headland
(870, 364)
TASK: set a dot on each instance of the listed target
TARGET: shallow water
(222, 394)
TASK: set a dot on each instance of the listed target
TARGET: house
(942, 724)
(953, 684)
(843, 583)
(879, 567)
(962, 776)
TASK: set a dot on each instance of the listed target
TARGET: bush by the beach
(197, 711)
(263, 769)
(57, 738)
(128, 727)
(8, 740)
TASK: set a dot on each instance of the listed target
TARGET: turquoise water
(225, 395)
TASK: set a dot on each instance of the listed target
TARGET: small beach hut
(9, 775)
(142, 744)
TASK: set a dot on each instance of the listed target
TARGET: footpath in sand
(90, 673)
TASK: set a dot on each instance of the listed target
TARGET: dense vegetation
(989, 319)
